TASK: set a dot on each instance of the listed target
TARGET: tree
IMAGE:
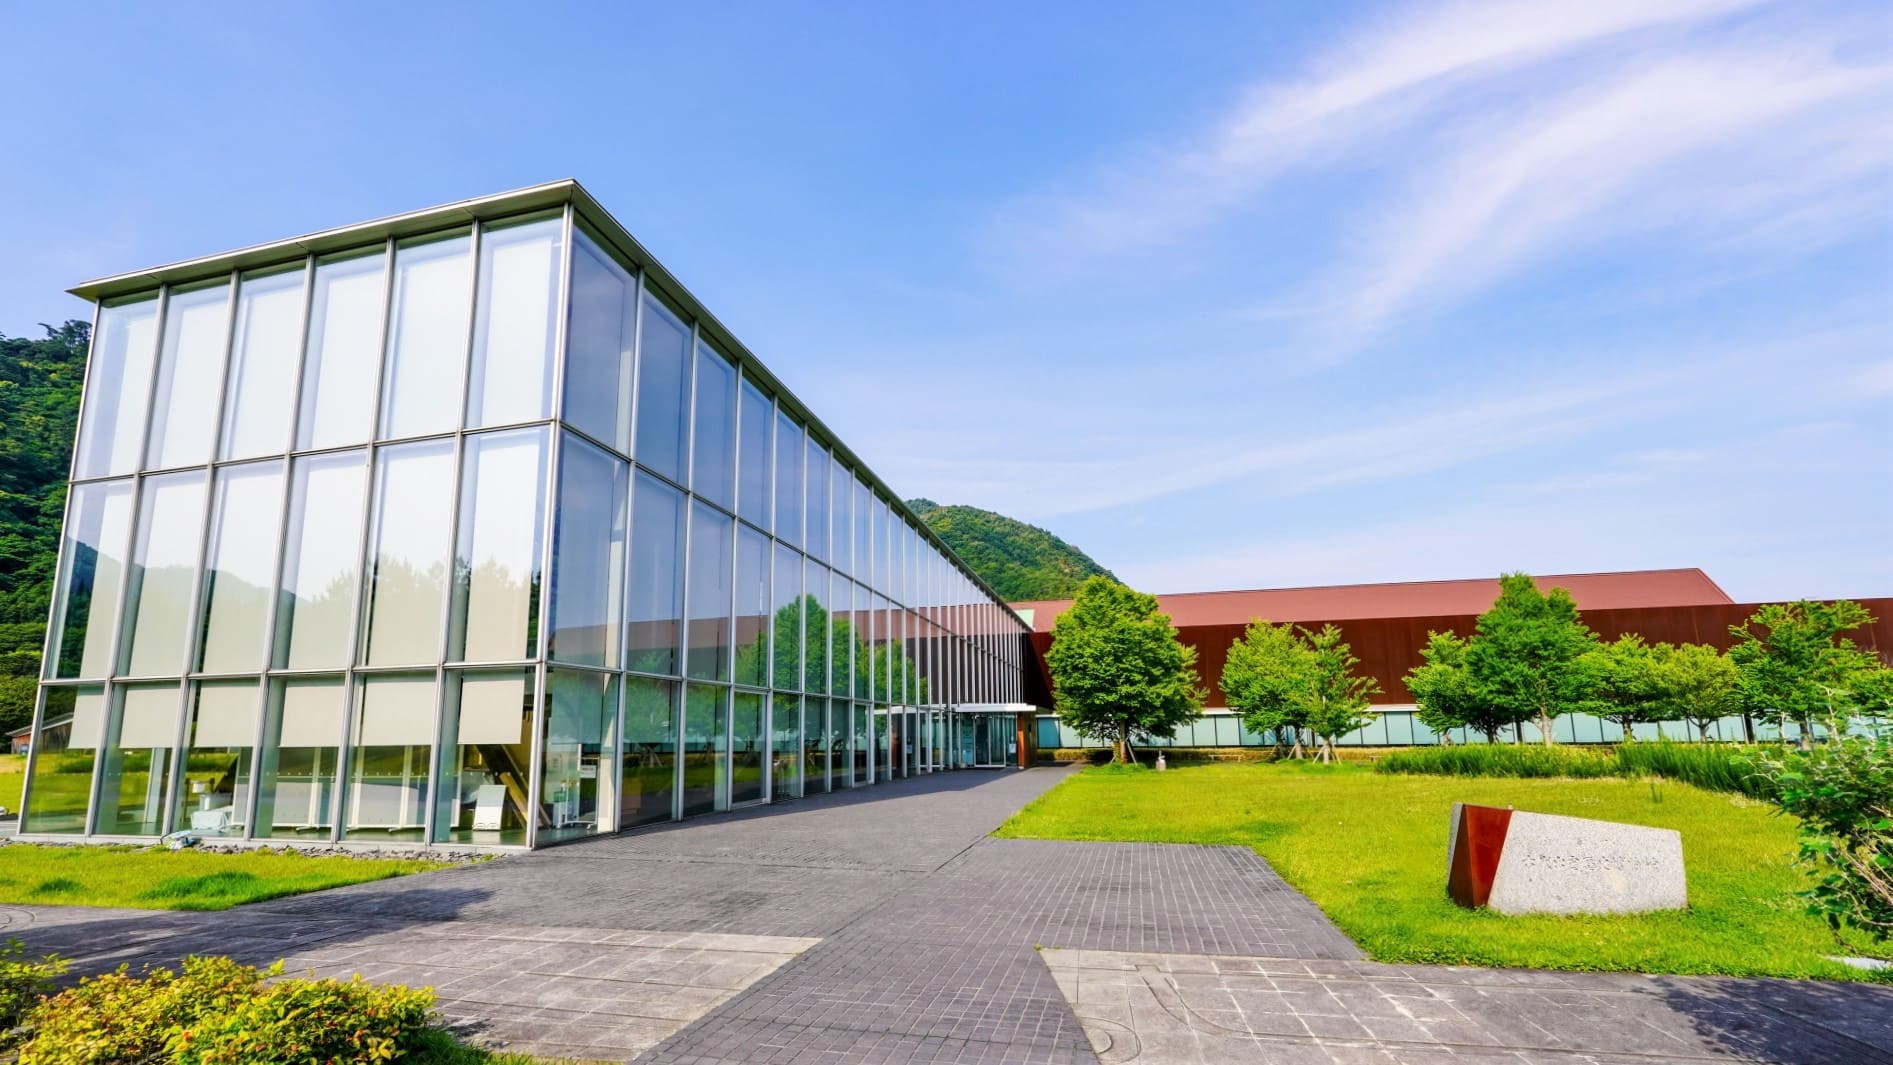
(1795, 666)
(1444, 689)
(1340, 696)
(1265, 677)
(1842, 795)
(1699, 684)
(1284, 678)
(1117, 667)
(1627, 687)
(1527, 657)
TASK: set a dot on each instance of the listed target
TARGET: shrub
(1498, 760)
(1712, 766)
(22, 982)
(1842, 793)
(217, 1011)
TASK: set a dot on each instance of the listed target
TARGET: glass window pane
(239, 567)
(321, 562)
(496, 565)
(427, 337)
(816, 521)
(581, 730)
(65, 747)
(840, 516)
(112, 429)
(748, 741)
(407, 575)
(515, 323)
(663, 389)
(814, 745)
(708, 595)
(190, 366)
(263, 364)
(136, 777)
(96, 539)
(755, 419)
(217, 768)
(788, 486)
(389, 758)
(486, 722)
(863, 534)
(650, 751)
(815, 628)
(752, 607)
(338, 373)
(788, 620)
(601, 330)
(657, 577)
(588, 555)
(296, 770)
(842, 636)
(713, 472)
(164, 562)
(785, 722)
(706, 748)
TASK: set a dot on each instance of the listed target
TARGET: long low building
(1387, 625)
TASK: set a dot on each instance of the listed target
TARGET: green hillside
(1020, 561)
(39, 405)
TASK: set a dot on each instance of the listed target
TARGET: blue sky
(1229, 295)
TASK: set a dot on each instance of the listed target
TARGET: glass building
(472, 527)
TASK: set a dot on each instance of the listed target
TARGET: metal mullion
(679, 711)
(194, 638)
(736, 455)
(338, 800)
(579, 432)
(536, 753)
(115, 646)
(455, 504)
(85, 389)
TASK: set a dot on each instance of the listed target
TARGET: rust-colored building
(1387, 624)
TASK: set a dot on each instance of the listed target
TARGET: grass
(12, 780)
(1370, 850)
(158, 879)
(1715, 766)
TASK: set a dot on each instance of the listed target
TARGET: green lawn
(1370, 850)
(12, 780)
(158, 879)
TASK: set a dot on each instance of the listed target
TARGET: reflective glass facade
(471, 527)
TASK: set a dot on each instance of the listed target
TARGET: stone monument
(1513, 861)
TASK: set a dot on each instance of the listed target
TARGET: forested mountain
(39, 406)
(1020, 561)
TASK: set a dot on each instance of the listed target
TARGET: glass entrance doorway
(994, 743)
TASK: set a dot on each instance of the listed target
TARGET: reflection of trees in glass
(85, 564)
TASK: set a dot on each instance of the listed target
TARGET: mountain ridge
(1019, 560)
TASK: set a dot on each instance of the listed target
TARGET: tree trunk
(1544, 726)
(1298, 752)
(1327, 750)
(1123, 755)
(1703, 727)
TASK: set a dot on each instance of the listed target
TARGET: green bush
(217, 1011)
(1498, 760)
(22, 982)
(1712, 766)
(1842, 793)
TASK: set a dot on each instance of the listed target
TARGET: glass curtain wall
(472, 536)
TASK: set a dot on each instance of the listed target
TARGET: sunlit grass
(1370, 850)
(158, 879)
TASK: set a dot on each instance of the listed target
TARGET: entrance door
(749, 738)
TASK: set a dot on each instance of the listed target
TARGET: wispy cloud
(1536, 130)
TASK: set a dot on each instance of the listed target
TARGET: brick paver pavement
(926, 940)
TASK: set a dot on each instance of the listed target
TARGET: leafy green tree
(1341, 696)
(1795, 666)
(1118, 669)
(1699, 684)
(1020, 561)
(1266, 678)
(1527, 656)
(1444, 690)
(1627, 687)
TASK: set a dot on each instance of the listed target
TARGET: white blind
(226, 716)
(88, 720)
(396, 712)
(312, 715)
(148, 718)
(492, 710)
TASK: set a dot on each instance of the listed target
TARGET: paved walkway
(886, 926)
